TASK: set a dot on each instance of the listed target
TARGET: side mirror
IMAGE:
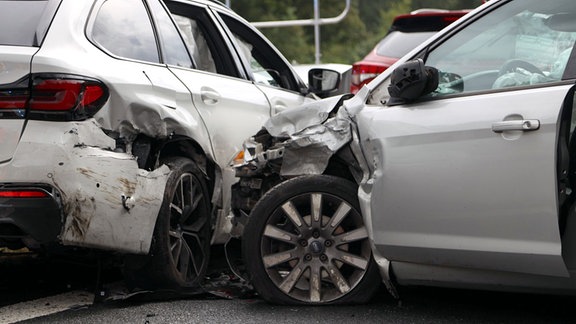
(323, 81)
(410, 81)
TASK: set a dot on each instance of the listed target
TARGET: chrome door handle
(516, 125)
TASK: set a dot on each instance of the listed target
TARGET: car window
(263, 62)
(260, 74)
(126, 35)
(511, 47)
(19, 21)
(173, 48)
(196, 43)
(203, 39)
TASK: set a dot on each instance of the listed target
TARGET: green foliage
(345, 42)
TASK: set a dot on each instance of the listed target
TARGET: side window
(196, 43)
(261, 75)
(510, 47)
(173, 48)
(126, 35)
(264, 63)
(202, 38)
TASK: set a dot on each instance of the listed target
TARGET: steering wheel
(511, 65)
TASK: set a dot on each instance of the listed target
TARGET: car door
(467, 177)
(231, 106)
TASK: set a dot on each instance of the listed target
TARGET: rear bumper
(39, 219)
(100, 198)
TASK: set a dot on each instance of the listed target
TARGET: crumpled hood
(291, 121)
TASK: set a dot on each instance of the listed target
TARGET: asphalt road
(419, 305)
(55, 281)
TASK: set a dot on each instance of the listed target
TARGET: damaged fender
(306, 140)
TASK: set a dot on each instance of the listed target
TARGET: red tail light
(364, 73)
(66, 98)
(53, 97)
(23, 194)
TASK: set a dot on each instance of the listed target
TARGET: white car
(118, 120)
(456, 167)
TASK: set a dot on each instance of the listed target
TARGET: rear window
(19, 22)
(397, 44)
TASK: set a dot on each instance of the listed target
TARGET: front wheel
(181, 243)
(306, 243)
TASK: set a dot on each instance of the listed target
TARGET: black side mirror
(410, 81)
(323, 81)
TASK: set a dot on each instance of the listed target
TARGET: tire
(294, 257)
(180, 248)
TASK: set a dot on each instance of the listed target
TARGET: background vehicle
(460, 160)
(116, 129)
(407, 32)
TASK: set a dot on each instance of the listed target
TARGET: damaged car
(117, 130)
(453, 168)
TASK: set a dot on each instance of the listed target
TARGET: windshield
(397, 44)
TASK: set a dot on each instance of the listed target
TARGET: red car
(407, 31)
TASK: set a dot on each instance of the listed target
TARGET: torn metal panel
(291, 121)
(108, 202)
(309, 151)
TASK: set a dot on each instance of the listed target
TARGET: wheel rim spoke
(275, 259)
(340, 214)
(293, 214)
(316, 209)
(195, 255)
(351, 259)
(280, 235)
(338, 279)
(290, 281)
(176, 208)
(352, 236)
(185, 257)
(315, 283)
(175, 246)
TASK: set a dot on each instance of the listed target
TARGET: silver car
(454, 168)
(118, 120)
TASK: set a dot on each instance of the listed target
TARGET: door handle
(516, 125)
(209, 96)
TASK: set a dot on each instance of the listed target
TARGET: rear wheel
(181, 244)
(306, 243)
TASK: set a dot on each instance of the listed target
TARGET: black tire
(180, 248)
(286, 247)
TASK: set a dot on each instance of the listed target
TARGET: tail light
(364, 73)
(30, 193)
(53, 97)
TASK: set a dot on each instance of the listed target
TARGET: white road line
(45, 306)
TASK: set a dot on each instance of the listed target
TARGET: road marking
(45, 306)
